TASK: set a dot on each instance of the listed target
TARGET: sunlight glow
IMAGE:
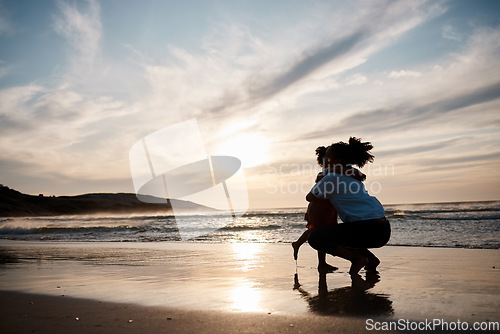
(246, 255)
(246, 251)
(246, 298)
(251, 149)
(245, 295)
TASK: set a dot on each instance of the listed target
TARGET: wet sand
(235, 287)
(26, 313)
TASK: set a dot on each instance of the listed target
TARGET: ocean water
(464, 225)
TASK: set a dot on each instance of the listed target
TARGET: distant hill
(16, 204)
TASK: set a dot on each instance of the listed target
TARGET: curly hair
(355, 152)
(321, 152)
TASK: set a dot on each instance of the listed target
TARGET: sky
(267, 81)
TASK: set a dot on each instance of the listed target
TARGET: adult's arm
(310, 197)
(318, 191)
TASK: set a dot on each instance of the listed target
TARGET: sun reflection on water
(246, 251)
(246, 298)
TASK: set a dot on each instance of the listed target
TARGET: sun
(250, 148)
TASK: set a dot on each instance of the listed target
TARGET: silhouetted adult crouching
(365, 225)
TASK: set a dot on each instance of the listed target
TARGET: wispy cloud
(449, 32)
(356, 79)
(458, 161)
(404, 74)
(422, 148)
(426, 100)
(52, 125)
(299, 86)
(402, 117)
(6, 25)
(370, 30)
(15, 106)
(4, 70)
(244, 75)
(81, 28)
(310, 63)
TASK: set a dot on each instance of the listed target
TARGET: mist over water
(466, 225)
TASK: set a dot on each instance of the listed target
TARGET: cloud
(310, 63)
(15, 108)
(456, 164)
(371, 30)
(465, 83)
(404, 74)
(356, 79)
(274, 80)
(88, 70)
(410, 116)
(449, 32)
(461, 160)
(242, 74)
(239, 75)
(298, 85)
(82, 29)
(422, 148)
(4, 70)
(61, 132)
(6, 26)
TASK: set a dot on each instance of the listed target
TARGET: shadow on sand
(352, 300)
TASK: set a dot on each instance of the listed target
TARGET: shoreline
(108, 243)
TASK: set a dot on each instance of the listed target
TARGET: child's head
(320, 153)
(353, 153)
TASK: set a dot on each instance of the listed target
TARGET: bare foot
(359, 283)
(372, 264)
(326, 268)
(357, 264)
(296, 247)
(372, 277)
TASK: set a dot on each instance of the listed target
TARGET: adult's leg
(363, 235)
(340, 239)
(373, 261)
(326, 239)
(324, 267)
(357, 260)
(360, 236)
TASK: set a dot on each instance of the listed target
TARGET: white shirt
(349, 197)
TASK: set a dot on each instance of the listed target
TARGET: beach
(247, 287)
(25, 313)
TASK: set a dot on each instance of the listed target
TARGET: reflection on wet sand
(246, 298)
(350, 300)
